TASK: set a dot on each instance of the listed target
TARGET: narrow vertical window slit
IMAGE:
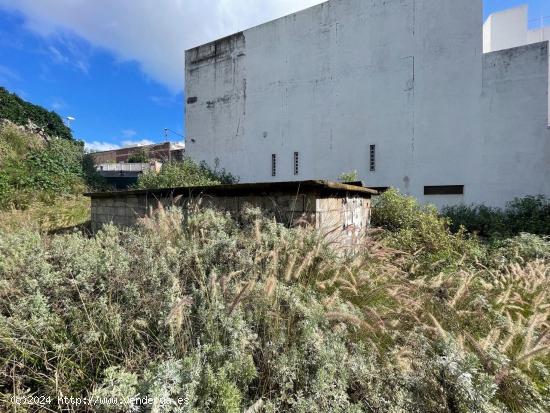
(373, 158)
(273, 165)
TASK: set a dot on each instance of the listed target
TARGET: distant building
(113, 166)
(510, 28)
(124, 175)
(162, 152)
(398, 90)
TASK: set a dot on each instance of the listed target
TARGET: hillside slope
(43, 170)
(23, 113)
(31, 167)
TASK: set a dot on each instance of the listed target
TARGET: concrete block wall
(286, 208)
(120, 210)
(341, 218)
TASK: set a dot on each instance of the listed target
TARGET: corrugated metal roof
(265, 188)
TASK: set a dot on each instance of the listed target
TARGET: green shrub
(14, 144)
(35, 170)
(420, 229)
(38, 171)
(530, 214)
(53, 169)
(395, 211)
(139, 156)
(184, 173)
(349, 177)
(56, 168)
(522, 248)
(478, 219)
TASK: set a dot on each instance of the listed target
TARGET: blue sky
(113, 101)
(117, 67)
(537, 9)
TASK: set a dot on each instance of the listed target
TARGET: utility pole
(166, 130)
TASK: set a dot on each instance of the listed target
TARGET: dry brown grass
(58, 214)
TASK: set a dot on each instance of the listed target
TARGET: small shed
(339, 209)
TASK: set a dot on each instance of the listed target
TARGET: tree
(139, 156)
(184, 173)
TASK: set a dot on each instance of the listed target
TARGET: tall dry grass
(247, 314)
(54, 213)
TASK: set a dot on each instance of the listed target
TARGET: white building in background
(398, 90)
(510, 28)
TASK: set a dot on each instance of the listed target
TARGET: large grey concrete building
(398, 90)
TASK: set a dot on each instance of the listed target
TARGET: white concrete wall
(515, 138)
(510, 28)
(328, 82)
(487, 33)
(506, 29)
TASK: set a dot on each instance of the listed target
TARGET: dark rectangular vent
(444, 190)
(192, 100)
(273, 165)
(372, 158)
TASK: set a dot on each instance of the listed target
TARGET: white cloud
(56, 55)
(164, 101)
(129, 133)
(8, 77)
(67, 51)
(142, 142)
(8, 74)
(96, 146)
(153, 33)
(58, 104)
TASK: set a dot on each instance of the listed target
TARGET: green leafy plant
(421, 230)
(184, 173)
(349, 177)
(530, 214)
(139, 156)
(35, 170)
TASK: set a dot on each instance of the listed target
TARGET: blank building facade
(398, 90)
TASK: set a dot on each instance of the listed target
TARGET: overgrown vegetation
(184, 173)
(139, 156)
(419, 229)
(229, 316)
(52, 215)
(34, 170)
(530, 214)
(349, 177)
(16, 110)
